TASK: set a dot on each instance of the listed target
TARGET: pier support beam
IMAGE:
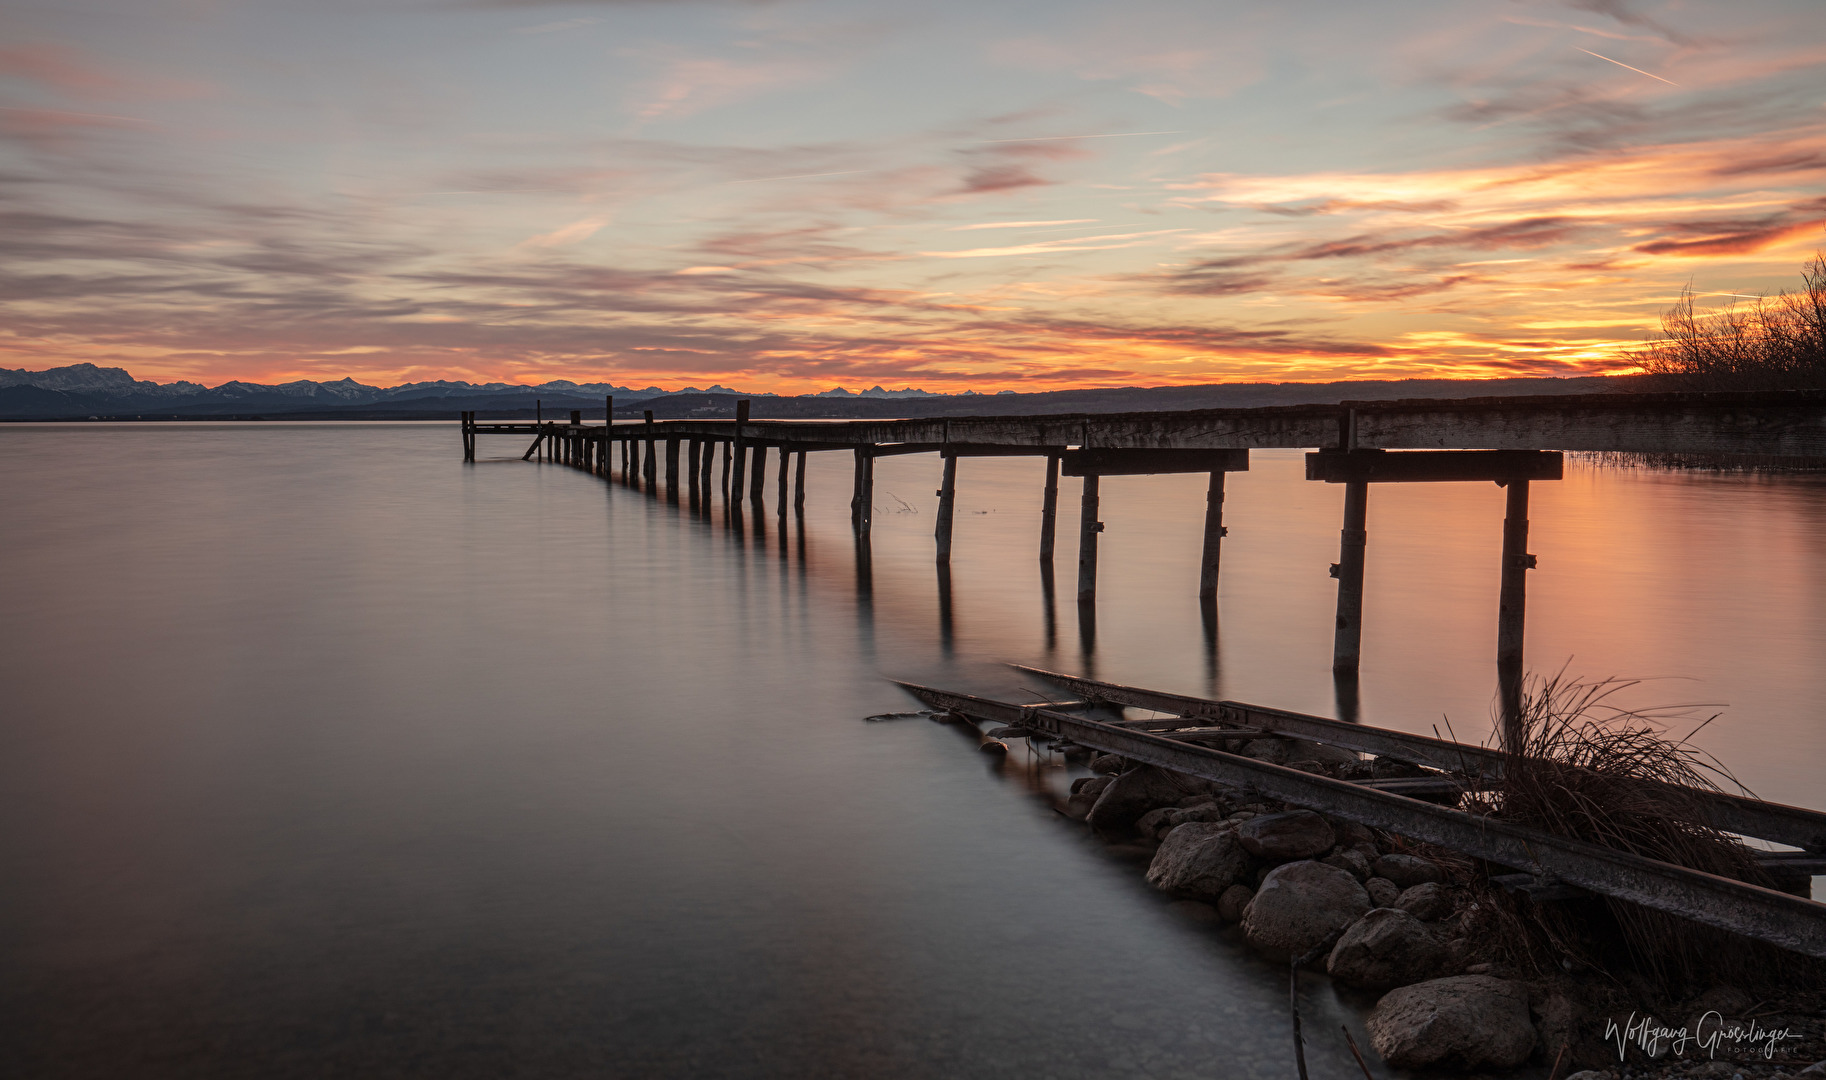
(862, 501)
(1347, 640)
(947, 504)
(694, 450)
(1088, 528)
(1049, 509)
(736, 477)
(799, 486)
(1511, 612)
(757, 483)
(1214, 538)
(650, 470)
(780, 495)
(672, 469)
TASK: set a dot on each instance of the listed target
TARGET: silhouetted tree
(1776, 343)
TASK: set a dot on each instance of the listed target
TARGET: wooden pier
(1189, 736)
(1512, 442)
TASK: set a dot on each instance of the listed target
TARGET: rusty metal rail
(1775, 822)
(1790, 922)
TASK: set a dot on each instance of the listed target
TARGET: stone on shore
(1200, 859)
(1349, 860)
(1234, 902)
(1299, 905)
(1407, 870)
(1387, 947)
(1382, 891)
(1107, 764)
(1465, 1021)
(1133, 794)
(1296, 834)
(1426, 901)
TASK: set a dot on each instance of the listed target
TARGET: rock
(1200, 859)
(1557, 1023)
(1297, 834)
(1382, 891)
(1299, 905)
(1009, 733)
(1407, 870)
(1467, 1021)
(1191, 801)
(995, 747)
(1133, 794)
(1308, 765)
(1231, 905)
(1370, 853)
(1589, 1074)
(1351, 833)
(1387, 947)
(1107, 764)
(1273, 751)
(1078, 807)
(1715, 1070)
(1091, 784)
(1155, 822)
(1426, 901)
(1818, 1068)
(1349, 860)
(1201, 812)
(1196, 912)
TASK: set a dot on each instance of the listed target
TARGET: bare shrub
(1773, 343)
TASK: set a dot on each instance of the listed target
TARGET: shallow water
(328, 754)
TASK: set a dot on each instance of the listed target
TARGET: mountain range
(84, 391)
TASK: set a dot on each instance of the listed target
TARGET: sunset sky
(793, 195)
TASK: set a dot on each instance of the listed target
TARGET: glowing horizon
(789, 196)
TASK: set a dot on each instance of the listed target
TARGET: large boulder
(1466, 1021)
(1300, 905)
(1426, 901)
(1387, 947)
(1407, 870)
(1199, 859)
(1133, 794)
(1296, 834)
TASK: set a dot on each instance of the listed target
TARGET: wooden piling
(862, 503)
(757, 482)
(799, 485)
(1088, 528)
(780, 495)
(1214, 537)
(1049, 509)
(650, 474)
(728, 454)
(947, 503)
(1512, 611)
(738, 451)
(694, 464)
(672, 469)
(1347, 639)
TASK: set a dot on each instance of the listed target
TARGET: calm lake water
(327, 754)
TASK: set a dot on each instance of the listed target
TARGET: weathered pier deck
(1512, 442)
(1190, 736)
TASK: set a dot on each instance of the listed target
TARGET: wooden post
(947, 503)
(1511, 613)
(758, 481)
(672, 469)
(1049, 509)
(780, 494)
(709, 468)
(1088, 528)
(1214, 537)
(728, 453)
(651, 472)
(607, 460)
(738, 452)
(1347, 641)
(799, 485)
(694, 464)
(862, 503)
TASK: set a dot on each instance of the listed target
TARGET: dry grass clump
(1594, 771)
(1775, 343)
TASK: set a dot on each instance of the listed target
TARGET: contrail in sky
(1621, 64)
(1111, 135)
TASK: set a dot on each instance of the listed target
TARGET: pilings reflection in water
(743, 486)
